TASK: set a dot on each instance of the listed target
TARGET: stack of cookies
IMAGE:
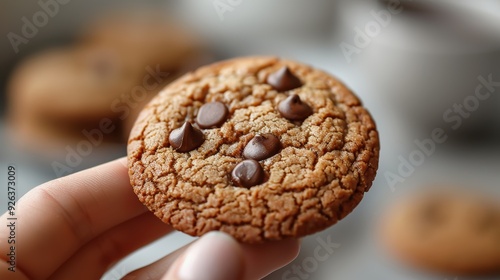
(116, 65)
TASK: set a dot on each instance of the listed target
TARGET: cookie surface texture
(256, 174)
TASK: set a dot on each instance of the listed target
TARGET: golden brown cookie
(452, 231)
(259, 147)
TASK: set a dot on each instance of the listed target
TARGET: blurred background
(72, 83)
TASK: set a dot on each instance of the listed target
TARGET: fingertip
(293, 248)
(268, 257)
(123, 161)
(215, 255)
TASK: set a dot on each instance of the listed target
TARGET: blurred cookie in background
(69, 85)
(146, 39)
(101, 82)
(445, 230)
(131, 104)
(55, 94)
(157, 46)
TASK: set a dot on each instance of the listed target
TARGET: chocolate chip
(212, 114)
(262, 146)
(283, 80)
(294, 109)
(186, 138)
(247, 173)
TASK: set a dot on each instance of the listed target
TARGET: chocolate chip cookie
(259, 147)
(449, 231)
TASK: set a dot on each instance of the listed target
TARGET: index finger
(56, 218)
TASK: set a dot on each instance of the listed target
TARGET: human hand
(78, 226)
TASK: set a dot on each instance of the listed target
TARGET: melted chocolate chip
(283, 80)
(294, 109)
(212, 114)
(247, 173)
(186, 138)
(262, 147)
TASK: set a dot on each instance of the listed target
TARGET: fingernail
(215, 256)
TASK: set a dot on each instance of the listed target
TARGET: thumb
(215, 255)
